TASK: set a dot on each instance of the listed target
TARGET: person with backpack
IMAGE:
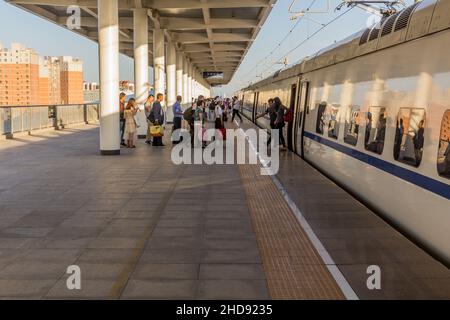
(177, 118)
(188, 116)
(279, 122)
(212, 108)
(199, 120)
(270, 110)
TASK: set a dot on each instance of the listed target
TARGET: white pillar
(194, 84)
(108, 31)
(141, 66)
(159, 61)
(179, 74)
(171, 80)
(190, 96)
(185, 81)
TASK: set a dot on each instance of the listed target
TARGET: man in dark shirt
(158, 114)
(122, 97)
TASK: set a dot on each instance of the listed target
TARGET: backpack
(289, 116)
(188, 115)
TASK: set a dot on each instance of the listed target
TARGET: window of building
(409, 136)
(375, 129)
(443, 161)
(352, 122)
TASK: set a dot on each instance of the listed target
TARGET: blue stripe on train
(415, 178)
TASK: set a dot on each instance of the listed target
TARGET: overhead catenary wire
(282, 40)
(308, 38)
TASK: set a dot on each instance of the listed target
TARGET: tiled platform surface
(137, 225)
(356, 238)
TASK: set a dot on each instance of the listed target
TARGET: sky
(47, 38)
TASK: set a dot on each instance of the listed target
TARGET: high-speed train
(372, 112)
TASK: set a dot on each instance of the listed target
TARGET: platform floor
(355, 238)
(141, 227)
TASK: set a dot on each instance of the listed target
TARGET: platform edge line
(337, 275)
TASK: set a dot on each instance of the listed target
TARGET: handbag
(136, 121)
(157, 131)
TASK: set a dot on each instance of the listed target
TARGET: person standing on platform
(122, 97)
(199, 120)
(279, 122)
(236, 108)
(158, 115)
(147, 108)
(130, 123)
(272, 116)
(177, 118)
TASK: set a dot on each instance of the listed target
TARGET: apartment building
(71, 80)
(27, 79)
(19, 75)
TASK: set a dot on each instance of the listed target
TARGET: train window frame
(403, 144)
(333, 114)
(320, 121)
(348, 122)
(375, 144)
(446, 152)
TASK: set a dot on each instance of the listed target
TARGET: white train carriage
(373, 113)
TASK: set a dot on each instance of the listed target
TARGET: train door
(255, 106)
(290, 125)
(300, 116)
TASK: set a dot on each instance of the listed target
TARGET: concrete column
(179, 74)
(185, 81)
(194, 84)
(159, 67)
(141, 66)
(190, 93)
(171, 80)
(108, 39)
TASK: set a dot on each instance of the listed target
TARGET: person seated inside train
(418, 142)
(320, 117)
(368, 129)
(398, 138)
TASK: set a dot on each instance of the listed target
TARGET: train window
(375, 129)
(409, 136)
(352, 122)
(332, 119)
(443, 162)
(321, 117)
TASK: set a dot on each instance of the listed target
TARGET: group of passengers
(278, 114)
(213, 110)
(154, 114)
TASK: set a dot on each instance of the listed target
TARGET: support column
(159, 61)
(171, 80)
(108, 39)
(141, 66)
(179, 74)
(190, 96)
(185, 81)
(194, 84)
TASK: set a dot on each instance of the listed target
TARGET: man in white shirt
(236, 108)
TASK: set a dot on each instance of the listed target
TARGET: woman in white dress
(130, 123)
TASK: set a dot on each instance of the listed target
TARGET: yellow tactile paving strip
(293, 268)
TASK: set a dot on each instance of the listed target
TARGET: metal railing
(16, 119)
